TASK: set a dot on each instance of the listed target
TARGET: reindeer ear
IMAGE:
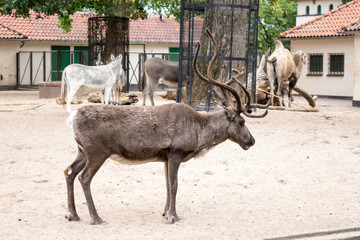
(230, 113)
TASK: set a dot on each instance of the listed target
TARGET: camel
(280, 67)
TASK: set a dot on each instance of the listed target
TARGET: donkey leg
(151, 95)
(70, 173)
(107, 95)
(92, 166)
(145, 93)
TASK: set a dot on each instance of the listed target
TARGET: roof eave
(311, 38)
(349, 32)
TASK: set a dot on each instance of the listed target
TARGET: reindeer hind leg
(70, 173)
(92, 166)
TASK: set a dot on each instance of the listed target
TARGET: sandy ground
(302, 176)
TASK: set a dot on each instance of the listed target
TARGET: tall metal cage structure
(230, 18)
(106, 36)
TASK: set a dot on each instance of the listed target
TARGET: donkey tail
(63, 83)
(142, 80)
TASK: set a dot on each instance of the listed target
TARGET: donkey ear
(230, 113)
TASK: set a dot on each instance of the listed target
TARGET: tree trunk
(221, 28)
(117, 30)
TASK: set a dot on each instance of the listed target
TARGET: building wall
(341, 86)
(356, 86)
(10, 48)
(38, 48)
(313, 5)
(8, 51)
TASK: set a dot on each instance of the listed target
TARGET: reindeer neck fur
(214, 129)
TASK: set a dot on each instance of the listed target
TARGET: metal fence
(45, 66)
(237, 20)
(33, 67)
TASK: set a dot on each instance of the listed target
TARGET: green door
(60, 59)
(174, 58)
(81, 55)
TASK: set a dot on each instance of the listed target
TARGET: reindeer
(280, 67)
(91, 79)
(171, 133)
(157, 71)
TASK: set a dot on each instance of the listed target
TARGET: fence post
(58, 56)
(44, 67)
(17, 70)
(31, 69)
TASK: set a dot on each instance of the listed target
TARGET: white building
(310, 9)
(331, 42)
(24, 39)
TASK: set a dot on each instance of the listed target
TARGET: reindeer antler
(210, 79)
(226, 86)
(248, 104)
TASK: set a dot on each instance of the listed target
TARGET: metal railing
(33, 67)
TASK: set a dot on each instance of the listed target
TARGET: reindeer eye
(242, 122)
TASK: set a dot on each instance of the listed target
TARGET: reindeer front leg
(166, 208)
(172, 165)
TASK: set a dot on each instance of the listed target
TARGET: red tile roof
(46, 28)
(330, 24)
(150, 30)
(9, 34)
(154, 30)
(354, 26)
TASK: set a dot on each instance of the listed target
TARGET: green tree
(275, 17)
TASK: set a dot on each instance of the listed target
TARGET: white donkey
(91, 79)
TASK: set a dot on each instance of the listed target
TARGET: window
(331, 7)
(81, 54)
(336, 64)
(60, 58)
(319, 9)
(174, 58)
(316, 64)
(307, 10)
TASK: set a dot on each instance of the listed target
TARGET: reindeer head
(237, 131)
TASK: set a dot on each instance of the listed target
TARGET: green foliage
(65, 8)
(275, 17)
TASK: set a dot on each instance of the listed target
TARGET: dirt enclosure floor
(301, 177)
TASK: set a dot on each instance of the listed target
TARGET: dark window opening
(316, 64)
(337, 64)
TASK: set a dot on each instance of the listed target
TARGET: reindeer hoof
(173, 219)
(98, 222)
(71, 217)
